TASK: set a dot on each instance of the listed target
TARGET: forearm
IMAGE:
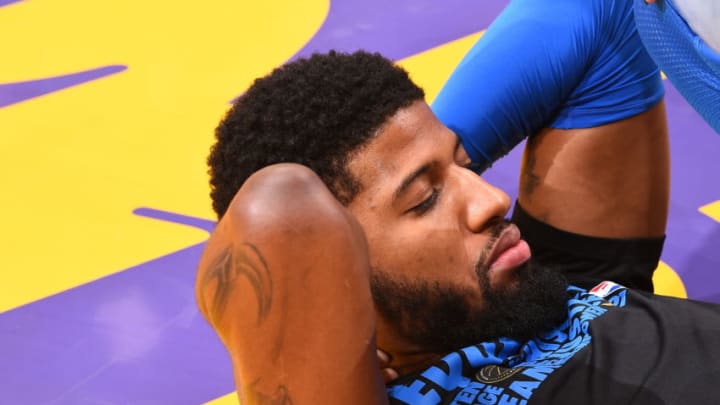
(611, 181)
(284, 281)
(562, 64)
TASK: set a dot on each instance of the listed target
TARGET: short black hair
(314, 112)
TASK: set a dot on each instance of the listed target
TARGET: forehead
(409, 139)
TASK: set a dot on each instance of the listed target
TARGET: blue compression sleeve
(561, 63)
(692, 66)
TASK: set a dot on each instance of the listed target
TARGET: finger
(389, 375)
(383, 357)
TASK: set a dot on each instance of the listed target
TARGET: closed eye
(426, 205)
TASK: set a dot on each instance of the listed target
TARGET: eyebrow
(410, 179)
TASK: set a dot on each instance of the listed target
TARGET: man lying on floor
(350, 220)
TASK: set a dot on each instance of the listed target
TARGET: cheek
(432, 254)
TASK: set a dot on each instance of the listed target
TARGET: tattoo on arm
(529, 180)
(280, 397)
(232, 263)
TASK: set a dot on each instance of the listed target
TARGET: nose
(483, 201)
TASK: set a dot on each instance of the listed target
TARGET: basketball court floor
(107, 111)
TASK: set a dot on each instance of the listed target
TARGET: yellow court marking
(229, 399)
(431, 69)
(668, 282)
(712, 210)
(75, 163)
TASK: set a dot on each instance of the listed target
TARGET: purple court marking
(132, 337)
(166, 216)
(8, 2)
(692, 247)
(11, 93)
(402, 28)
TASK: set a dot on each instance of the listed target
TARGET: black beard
(440, 318)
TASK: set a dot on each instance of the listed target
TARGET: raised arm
(284, 281)
(563, 64)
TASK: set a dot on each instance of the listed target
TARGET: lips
(509, 251)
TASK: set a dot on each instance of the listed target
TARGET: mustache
(495, 228)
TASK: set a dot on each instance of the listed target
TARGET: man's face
(437, 239)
